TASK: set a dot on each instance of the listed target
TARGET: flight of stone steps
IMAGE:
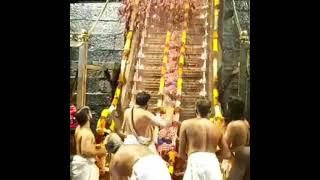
(149, 75)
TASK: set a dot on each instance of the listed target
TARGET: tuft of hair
(113, 142)
(203, 107)
(142, 98)
(236, 108)
(82, 115)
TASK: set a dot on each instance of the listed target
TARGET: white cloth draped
(84, 168)
(202, 166)
(151, 167)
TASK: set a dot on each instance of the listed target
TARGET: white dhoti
(131, 139)
(203, 166)
(84, 168)
(151, 167)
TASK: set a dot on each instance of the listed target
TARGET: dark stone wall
(107, 39)
(105, 49)
(233, 53)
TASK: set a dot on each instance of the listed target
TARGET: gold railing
(164, 69)
(218, 117)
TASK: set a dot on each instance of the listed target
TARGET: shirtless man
(199, 139)
(83, 164)
(237, 137)
(135, 161)
(139, 122)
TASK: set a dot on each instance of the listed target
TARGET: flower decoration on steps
(171, 82)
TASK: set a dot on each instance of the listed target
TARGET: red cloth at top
(73, 121)
(73, 110)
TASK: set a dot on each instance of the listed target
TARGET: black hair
(113, 143)
(203, 107)
(142, 98)
(112, 147)
(236, 108)
(82, 115)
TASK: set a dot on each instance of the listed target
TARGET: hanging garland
(101, 128)
(218, 117)
(132, 14)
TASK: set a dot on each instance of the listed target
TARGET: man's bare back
(123, 161)
(237, 134)
(135, 161)
(80, 135)
(141, 121)
(237, 137)
(140, 124)
(199, 135)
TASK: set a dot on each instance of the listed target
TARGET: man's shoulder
(86, 132)
(123, 153)
(127, 110)
(187, 122)
(77, 130)
(191, 123)
(236, 123)
(145, 113)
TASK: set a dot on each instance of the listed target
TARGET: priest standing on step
(139, 122)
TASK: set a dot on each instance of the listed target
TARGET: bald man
(135, 161)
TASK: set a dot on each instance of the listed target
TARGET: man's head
(203, 107)
(142, 98)
(113, 142)
(83, 115)
(236, 108)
